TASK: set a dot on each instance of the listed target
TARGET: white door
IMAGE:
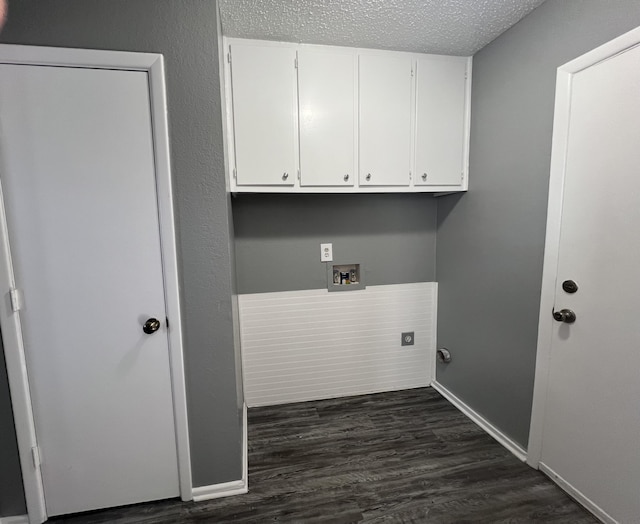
(591, 432)
(440, 120)
(78, 177)
(265, 114)
(385, 120)
(327, 84)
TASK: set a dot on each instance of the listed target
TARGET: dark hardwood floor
(405, 456)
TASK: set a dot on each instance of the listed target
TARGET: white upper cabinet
(324, 119)
(327, 116)
(385, 119)
(441, 120)
(265, 113)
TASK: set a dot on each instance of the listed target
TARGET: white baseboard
(503, 439)
(226, 489)
(18, 519)
(577, 495)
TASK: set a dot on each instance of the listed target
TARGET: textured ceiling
(453, 27)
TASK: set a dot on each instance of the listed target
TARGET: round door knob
(151, 326)
(368, 177)
(570, 286)
(424, 176)
(564, 315)
(285, 176)
(346, 178)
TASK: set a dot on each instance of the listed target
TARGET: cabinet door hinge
(229, 57)
(35, 457)
(462, 177)
(16, 302)
(409, 175)
(295, 62)
(235, 173)
(412, 71)
(298, 175)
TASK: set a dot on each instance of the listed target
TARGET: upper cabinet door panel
(440, 120)
(385, 120)
(264, 91)
(327, 105)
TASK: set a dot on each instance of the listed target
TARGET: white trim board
(18, 519)
(515, 448)
(235, 487)
(554, 217)
(577, 495)
(313, 344)
(153, 65)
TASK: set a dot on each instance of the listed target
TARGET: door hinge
(412, 71)
(409, 175)
(229, 57)
(167, 319)
(16, 302)
(295, 62)
(235, 173)
(298, 175)
(35, 456)
(462, 177)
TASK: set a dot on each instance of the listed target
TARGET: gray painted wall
(491, 241)
(278, 238)
(184, 32)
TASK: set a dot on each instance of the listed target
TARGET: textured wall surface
(450, 27)
(185, 33)
(491, 240)
(278, 239)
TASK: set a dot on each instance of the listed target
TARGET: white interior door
(78, 177)
(591, 432)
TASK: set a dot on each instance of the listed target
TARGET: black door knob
(570, 286)
(151, 326)
(565, 315)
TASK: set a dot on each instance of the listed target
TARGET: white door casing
(585, 420)
(86, 153)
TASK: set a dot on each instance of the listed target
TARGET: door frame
(562, 112)
(153, 65)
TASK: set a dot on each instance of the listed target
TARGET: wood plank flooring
(405, 456)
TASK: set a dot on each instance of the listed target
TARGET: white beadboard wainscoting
(312, 344)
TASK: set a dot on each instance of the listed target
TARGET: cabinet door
(263, 83)
(440, 120)
(326, 81)
(385, 120)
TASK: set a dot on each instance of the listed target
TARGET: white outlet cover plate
(326, 252)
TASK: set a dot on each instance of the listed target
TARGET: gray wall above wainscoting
(491, 240)
(185, 33)
(277, 238)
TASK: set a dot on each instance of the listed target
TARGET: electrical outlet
(326, 252)
(408, 338)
